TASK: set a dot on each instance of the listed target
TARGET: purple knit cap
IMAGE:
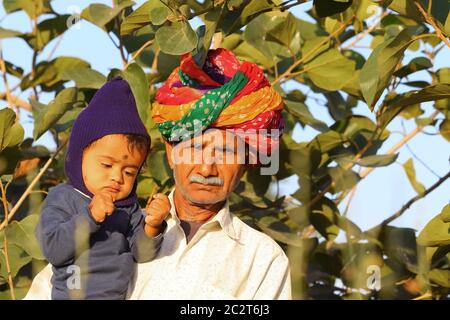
(112, 110)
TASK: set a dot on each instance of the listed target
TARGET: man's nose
(208, 166)
(208, 170)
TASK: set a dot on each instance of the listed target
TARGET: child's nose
(117, 176)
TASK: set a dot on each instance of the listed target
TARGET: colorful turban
(225, 94)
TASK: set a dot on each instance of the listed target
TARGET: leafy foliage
(320, 56)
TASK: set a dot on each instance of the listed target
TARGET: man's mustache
(215, 181)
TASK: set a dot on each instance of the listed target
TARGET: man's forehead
(217, 137)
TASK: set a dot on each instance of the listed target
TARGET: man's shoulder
(250, 236)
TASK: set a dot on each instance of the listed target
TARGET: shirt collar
(223, 218)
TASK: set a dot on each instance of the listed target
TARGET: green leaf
(47, 30)
(431, 93)
(378, 160)
(349, 227)
(326, 8)
(408, 166)
(11, 133)
(304, 160)
(9, 158)
(159, 15)
(138, 18)
(379, 67)
(412, 111)
(300, 215)
(406, 8)
(328, 140)
(47, 117)
(301, 112)
(286, 33)
(101, 14)
(158, 166)
(84, 77)
(400, 245)
(248, 52)
(324, 219)
(145, 188)
(177, 38)
(343, 179)
(7, 33)
(21, 233)
(235, 20)
(337, 106)
(445, 214)
(440, 277)
(33, 8)
(166, 64)
(444, 129)
(206, 33)
(17, 259)
(447, 26)
(234, 4)
(331, 70)
(13, 69)
(282, 233)
(439, 10)
(138, 82)
(310, 31)
(314, 44)
(47, 74)
(437, 231)
(416, 64)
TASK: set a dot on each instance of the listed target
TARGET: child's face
(110, 165)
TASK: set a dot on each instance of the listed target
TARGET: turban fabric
(226, 94)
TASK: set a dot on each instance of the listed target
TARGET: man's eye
(106, 165)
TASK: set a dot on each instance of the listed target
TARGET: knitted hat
(112, 110)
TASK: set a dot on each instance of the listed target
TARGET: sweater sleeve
(63, 234)
(143, 247)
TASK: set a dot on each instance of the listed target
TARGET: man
(207, 252)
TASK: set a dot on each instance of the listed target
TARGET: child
(92, 229)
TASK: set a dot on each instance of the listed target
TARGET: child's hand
(158, 207)
(102, 205)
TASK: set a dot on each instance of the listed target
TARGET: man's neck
(189, 211)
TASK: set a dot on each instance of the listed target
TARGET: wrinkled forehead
(217, 138)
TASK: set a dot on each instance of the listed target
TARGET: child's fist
(157, 209)
(102, 205)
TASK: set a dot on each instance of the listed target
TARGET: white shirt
(226, 259)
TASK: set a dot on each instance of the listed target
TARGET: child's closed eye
(106, 165)
(131, 174)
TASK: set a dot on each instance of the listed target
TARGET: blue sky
(378, 196)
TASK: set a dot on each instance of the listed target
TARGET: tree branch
(5, 242)
(418, 197)
(30, 186)
(392, 150)
(313, 51)
(367, 31)
(145, 45)
(16, 101)
(430, 20)
(5, 80)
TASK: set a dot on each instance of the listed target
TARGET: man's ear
(169, 149)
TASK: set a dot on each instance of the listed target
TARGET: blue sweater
(90, 260)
